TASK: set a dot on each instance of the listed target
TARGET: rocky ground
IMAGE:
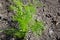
(49, 13)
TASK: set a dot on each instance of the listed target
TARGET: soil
(49, 13)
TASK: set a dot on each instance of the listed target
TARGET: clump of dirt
(5, 20)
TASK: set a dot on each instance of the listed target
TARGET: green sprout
(24, 16)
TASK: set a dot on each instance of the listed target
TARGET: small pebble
(0, 5)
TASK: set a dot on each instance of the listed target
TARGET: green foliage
(24, 16)
(37, 27)
(10, 31)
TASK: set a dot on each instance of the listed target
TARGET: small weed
(24, 16)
